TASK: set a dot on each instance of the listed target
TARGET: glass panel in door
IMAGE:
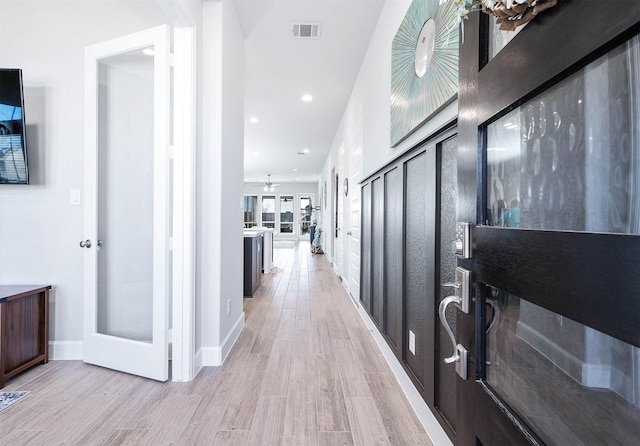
(571, 384)
(306, 209)
(125, 196)
(570, 158)
(286, 214)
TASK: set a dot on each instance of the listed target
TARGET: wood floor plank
(367, 351)
(124, 437)
(300, 426)
(276, 377)
(243, 400)
(354, 383)
(304, 357)
(287, 324)
(332, 411)
(399, 420)
(20, 437)
(229, 438)
(268, 423)
(174, 414)
(366, 424)
(335, 439)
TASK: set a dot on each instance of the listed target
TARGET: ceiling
(280, 69)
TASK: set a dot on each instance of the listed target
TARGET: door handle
(460, 354)
(85, 243)
(442, 309)
(461, 299)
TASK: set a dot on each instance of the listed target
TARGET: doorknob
(85, 243)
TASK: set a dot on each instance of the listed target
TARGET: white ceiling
(279, 70)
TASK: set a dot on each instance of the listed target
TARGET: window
(250, 211)
(269, 211)
(286, 214)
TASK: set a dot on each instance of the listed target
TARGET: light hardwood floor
(304, 371)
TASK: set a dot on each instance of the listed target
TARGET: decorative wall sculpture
(424, 65)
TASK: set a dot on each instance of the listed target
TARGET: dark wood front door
(549, 176)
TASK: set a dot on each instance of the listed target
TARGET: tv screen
(13, 147)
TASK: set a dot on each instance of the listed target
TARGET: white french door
(355, 175)
(339, 266)
(127, 207)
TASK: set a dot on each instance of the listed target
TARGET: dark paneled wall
(377, 249)
(393, 258)
(415, 273)
(401, 215)
(365, 266)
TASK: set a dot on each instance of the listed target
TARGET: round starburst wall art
(424, 65)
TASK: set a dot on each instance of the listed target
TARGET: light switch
(412, 342)
(74, 197)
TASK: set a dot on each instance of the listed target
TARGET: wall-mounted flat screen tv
(13, 146)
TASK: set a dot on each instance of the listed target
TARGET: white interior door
(126, 221)
(339, 255)
(355, 173)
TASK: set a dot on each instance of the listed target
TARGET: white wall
(221, 165)
(371, 96)
(39, 229)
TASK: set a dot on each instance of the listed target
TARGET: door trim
(184, 196)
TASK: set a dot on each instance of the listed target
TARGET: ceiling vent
(306, 30)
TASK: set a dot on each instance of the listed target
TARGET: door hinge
(170, 243)
(172, 60)
(170, 152)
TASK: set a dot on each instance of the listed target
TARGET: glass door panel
(304, 216)
(269, 211)
(570, 383)
(286, 214)
(125, 191)
(570, 158)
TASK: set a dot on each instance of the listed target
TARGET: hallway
(304, 371)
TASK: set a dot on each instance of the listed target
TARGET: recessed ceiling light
(253, 120)
(306, 150)
(307, 98)
(148, 51)
(256, 153)
(295, 170)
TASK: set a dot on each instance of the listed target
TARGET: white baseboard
(435, 432)
(65, 350)
(215, 356)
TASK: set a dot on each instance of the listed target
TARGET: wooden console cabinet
(24, 328)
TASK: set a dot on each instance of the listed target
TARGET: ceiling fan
(268, 186)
